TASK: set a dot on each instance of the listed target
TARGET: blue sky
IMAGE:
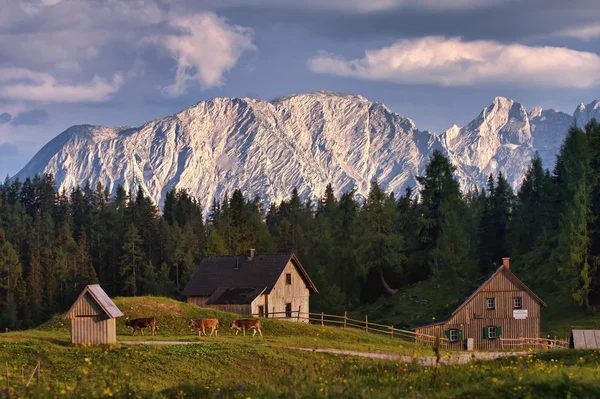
(439, 62)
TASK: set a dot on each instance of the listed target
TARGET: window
(491, 332)
(261, 311)
(288, 310)
(517, 303)
(453, 335)
(491, 303)
(288, 278)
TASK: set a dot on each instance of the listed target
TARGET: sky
(439, 62)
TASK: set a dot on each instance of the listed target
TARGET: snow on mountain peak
(302, 141)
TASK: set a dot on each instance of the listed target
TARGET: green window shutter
(460, 336)
(498, 331)
(485, 333)
(447, 334)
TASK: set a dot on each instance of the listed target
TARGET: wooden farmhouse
(93, 317)
(501, 308)
(268, 285)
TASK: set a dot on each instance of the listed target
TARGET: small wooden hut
(93, 317)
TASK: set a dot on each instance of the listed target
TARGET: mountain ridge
(306, 141)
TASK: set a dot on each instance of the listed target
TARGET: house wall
(261, 300)
(198, 300)
(85, 306)
(93, 330)
(296, 293)
(242, 309)
(504, 289)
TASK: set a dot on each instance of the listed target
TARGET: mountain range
(304, 141)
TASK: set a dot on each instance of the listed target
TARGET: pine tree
(132, 260)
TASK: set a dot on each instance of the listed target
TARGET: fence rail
(424, 339)
(540, 343)
(368, 327)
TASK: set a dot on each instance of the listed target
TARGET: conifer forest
(54, 243)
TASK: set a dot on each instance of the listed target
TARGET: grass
(244, 367)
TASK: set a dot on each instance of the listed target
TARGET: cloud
(33, 117)
(5, 117)
(586, 33)
(24, 84)
(446, 62)
(205, 47)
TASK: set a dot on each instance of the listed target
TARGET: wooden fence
(534, 343)
(429, 340)
(365, 325)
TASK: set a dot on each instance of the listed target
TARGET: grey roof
(235, 295)
(237, 271)
(585, 339)
(101, 298)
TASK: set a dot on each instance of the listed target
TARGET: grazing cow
(140, 324)
(244, 324)
(203, 324)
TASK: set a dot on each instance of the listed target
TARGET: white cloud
(205, 48)
(452, 62)
(586, 33)
(26, 85)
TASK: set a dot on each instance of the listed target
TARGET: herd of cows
(201, 325)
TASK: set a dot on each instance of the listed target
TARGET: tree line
(54, 243)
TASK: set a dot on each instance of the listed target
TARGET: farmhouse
(264, 284)
(501, 308)
(92, 317)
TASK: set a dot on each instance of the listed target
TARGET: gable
(93, 301)
(502, 280)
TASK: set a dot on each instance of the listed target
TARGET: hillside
(246, 367)
(304, 141)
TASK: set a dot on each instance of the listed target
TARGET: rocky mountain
(303, 141)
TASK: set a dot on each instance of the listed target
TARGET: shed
(585, 339)
(93, 317)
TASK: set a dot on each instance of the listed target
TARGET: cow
(140, 324)
(203, 324)
(244, 324)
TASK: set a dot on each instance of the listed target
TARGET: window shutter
(498, 331)
(485, 332)
(447, 334)
(460, 336)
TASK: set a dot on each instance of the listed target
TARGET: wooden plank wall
(93, 330)
(240, 309)
(86, 306)
(504, 290)
(198, 300)
(296, 293)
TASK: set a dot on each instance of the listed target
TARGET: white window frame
(495, 334)
(453, 335)
(491, 301)
(520, 300)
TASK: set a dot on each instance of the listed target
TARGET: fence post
(39, 366)
(345, 318)
(366, 323)
(299, 307)
(392, 331)
(322, 323)
(7, 383)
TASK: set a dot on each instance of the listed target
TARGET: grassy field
(245, 367)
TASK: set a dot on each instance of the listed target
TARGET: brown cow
(203, 324)
(140, 324)
(244, 324)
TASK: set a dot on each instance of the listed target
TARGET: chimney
(506, 262)
(251, 254)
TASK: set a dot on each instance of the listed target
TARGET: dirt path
(160, 343)
(423, 360)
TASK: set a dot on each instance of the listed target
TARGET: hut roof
(262, 270)
(497, 272)
(585, 339)
(235, 295)
(100, 297)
